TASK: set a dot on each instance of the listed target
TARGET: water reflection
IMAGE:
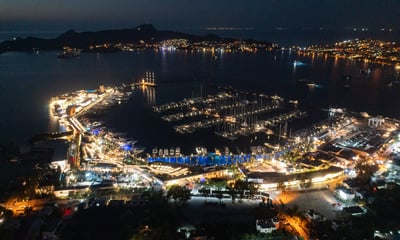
(149, 94)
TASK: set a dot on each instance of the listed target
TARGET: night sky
(189, 14)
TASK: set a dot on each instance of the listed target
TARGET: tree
(232, 193)
(365, 171)
(179, 193)
(205, 192)
(242, 187)
(281, 186)
(219, 195)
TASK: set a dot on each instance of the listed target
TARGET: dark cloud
(180, 14)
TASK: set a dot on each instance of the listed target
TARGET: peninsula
(142, 36)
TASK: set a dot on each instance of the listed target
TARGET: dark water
(28, 81)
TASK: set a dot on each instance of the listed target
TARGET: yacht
(69, 53)
(199, 150)
(227, 151)
(311, 85)
(177, 151)
(155, 150)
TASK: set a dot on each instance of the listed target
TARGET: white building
(265, 226)
(376, 121)
(345, 193)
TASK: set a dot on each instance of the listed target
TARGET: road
(18, 207)
(297, 225)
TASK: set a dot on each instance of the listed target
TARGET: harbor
(279, 157)
(91, 143)
(231, 113)
(270, 132)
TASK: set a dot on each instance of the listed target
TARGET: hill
(83, 40)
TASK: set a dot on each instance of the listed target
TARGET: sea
(28, 81)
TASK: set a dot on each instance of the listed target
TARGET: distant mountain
(83, 40)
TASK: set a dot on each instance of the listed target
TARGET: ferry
(69, 53)
(297, 63)
(311, 85)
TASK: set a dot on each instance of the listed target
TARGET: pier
(211, 160)
(176, 105)
(232, 113)
(228, 111)
(70, 110)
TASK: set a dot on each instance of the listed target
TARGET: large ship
(69, 53)
(148, 81)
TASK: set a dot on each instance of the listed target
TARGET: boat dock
(225, 108)
(234, 130)
(176, 105)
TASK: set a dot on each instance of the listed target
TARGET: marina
(100, 158)
(235, 137)
(93, 144)
(317, 153)
(231, 114)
